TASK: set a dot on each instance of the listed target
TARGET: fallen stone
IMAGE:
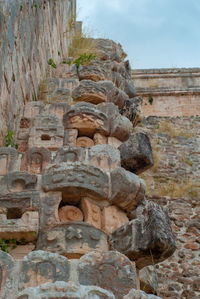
(109, 270)
(148, 239)
(136, 153)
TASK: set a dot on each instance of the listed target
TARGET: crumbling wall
(31, 32)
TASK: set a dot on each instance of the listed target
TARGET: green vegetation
(150, 100)
(83, 59)
(9, 139)
(52, 63)
(6, 244)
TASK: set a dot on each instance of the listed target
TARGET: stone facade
(173, 181)
(169, 92)
(31, 34)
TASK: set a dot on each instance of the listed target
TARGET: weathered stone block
(7, 279)
(148, 239)
(72, 239)
(136, 153)
(70, 154)
(89, 91)
(70, 213)
(76, 180)
(39, 267)
(114, 142)
(100, 139)
(49, 205)
(84, 142)
(109, 270)
(33, 109)
(104, 156)
(36, 160)
(61, 289)
(87, 119)
(128, 190)
(91, 72)
(70, 137)
(136, 294)
(92, 213)
(48, 132)
(8, 160)
(112, 219)
(58, 109)
(149, 280)
(129, 88)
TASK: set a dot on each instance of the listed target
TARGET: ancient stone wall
(31, 32)
(169, 92)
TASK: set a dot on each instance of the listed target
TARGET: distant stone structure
(172, 122)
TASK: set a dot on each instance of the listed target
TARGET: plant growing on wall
(9, 139)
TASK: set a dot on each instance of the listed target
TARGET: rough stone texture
(35, 160)
(64, 290)
(8, 160)
(113, 218)
(92, 213)
(39, 267)
(148, 239)
(149, 280)
(175, 92)
(7, 280)
(136, 153)
(72, 239)
(128, 190)
(134, 294)
(29, 38)
(70, 213)
(109, 270)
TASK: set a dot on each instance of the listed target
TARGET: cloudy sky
(154, 33)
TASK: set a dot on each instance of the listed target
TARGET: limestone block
(149, 280)
(7, 279)
(121, 127)
(8, 159)
(21, 251)
(17, 181)
(148, 239)
(36, 160)
(23, 134)
(109, 50)
(109, 270)
(58, 109)
(84, 142)
(49, 205)
(89, 91)
(104, 156)
(117, 97)
(119, 68)
(128, 190)
(70, 154)
(47, 131)
(61, 289)
(33, 109)
(92, 213)
(133, 109)
(136, 294)
(70, 137)
(70, 213)
(75, 180)
(39, 267)
(114, 142)
(112, 219)
(72, 239)
(100, 139)
(87, 119)
(136, 153)
(70, 83)
(91, 72)
(24, 227)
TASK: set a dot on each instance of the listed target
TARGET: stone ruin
(71, 196)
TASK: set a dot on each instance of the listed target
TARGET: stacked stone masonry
(71, 199)
(173, 182)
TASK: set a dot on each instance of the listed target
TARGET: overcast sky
(154, 33)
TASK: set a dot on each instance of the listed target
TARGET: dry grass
(168, 128)
(82, 44)
(186, 188)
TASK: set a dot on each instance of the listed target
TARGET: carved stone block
(61, 289)
(89, 91)
(87, 119)
(100, 139)
(7, 279)
(70, 137)
(76, 180)
(128, 190)
(39, 267)
(35, 160)
(114, 142)
(91, 72)
(72, 239)
(58, 109)
(136, 153)
(109, 270)
(104, 156)
(69, 214)
(70, 154)
(8, 160)
(33, 109)
(113, 218)
(84, 142)
(148, 239)
(49, 205)
(92, 213)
